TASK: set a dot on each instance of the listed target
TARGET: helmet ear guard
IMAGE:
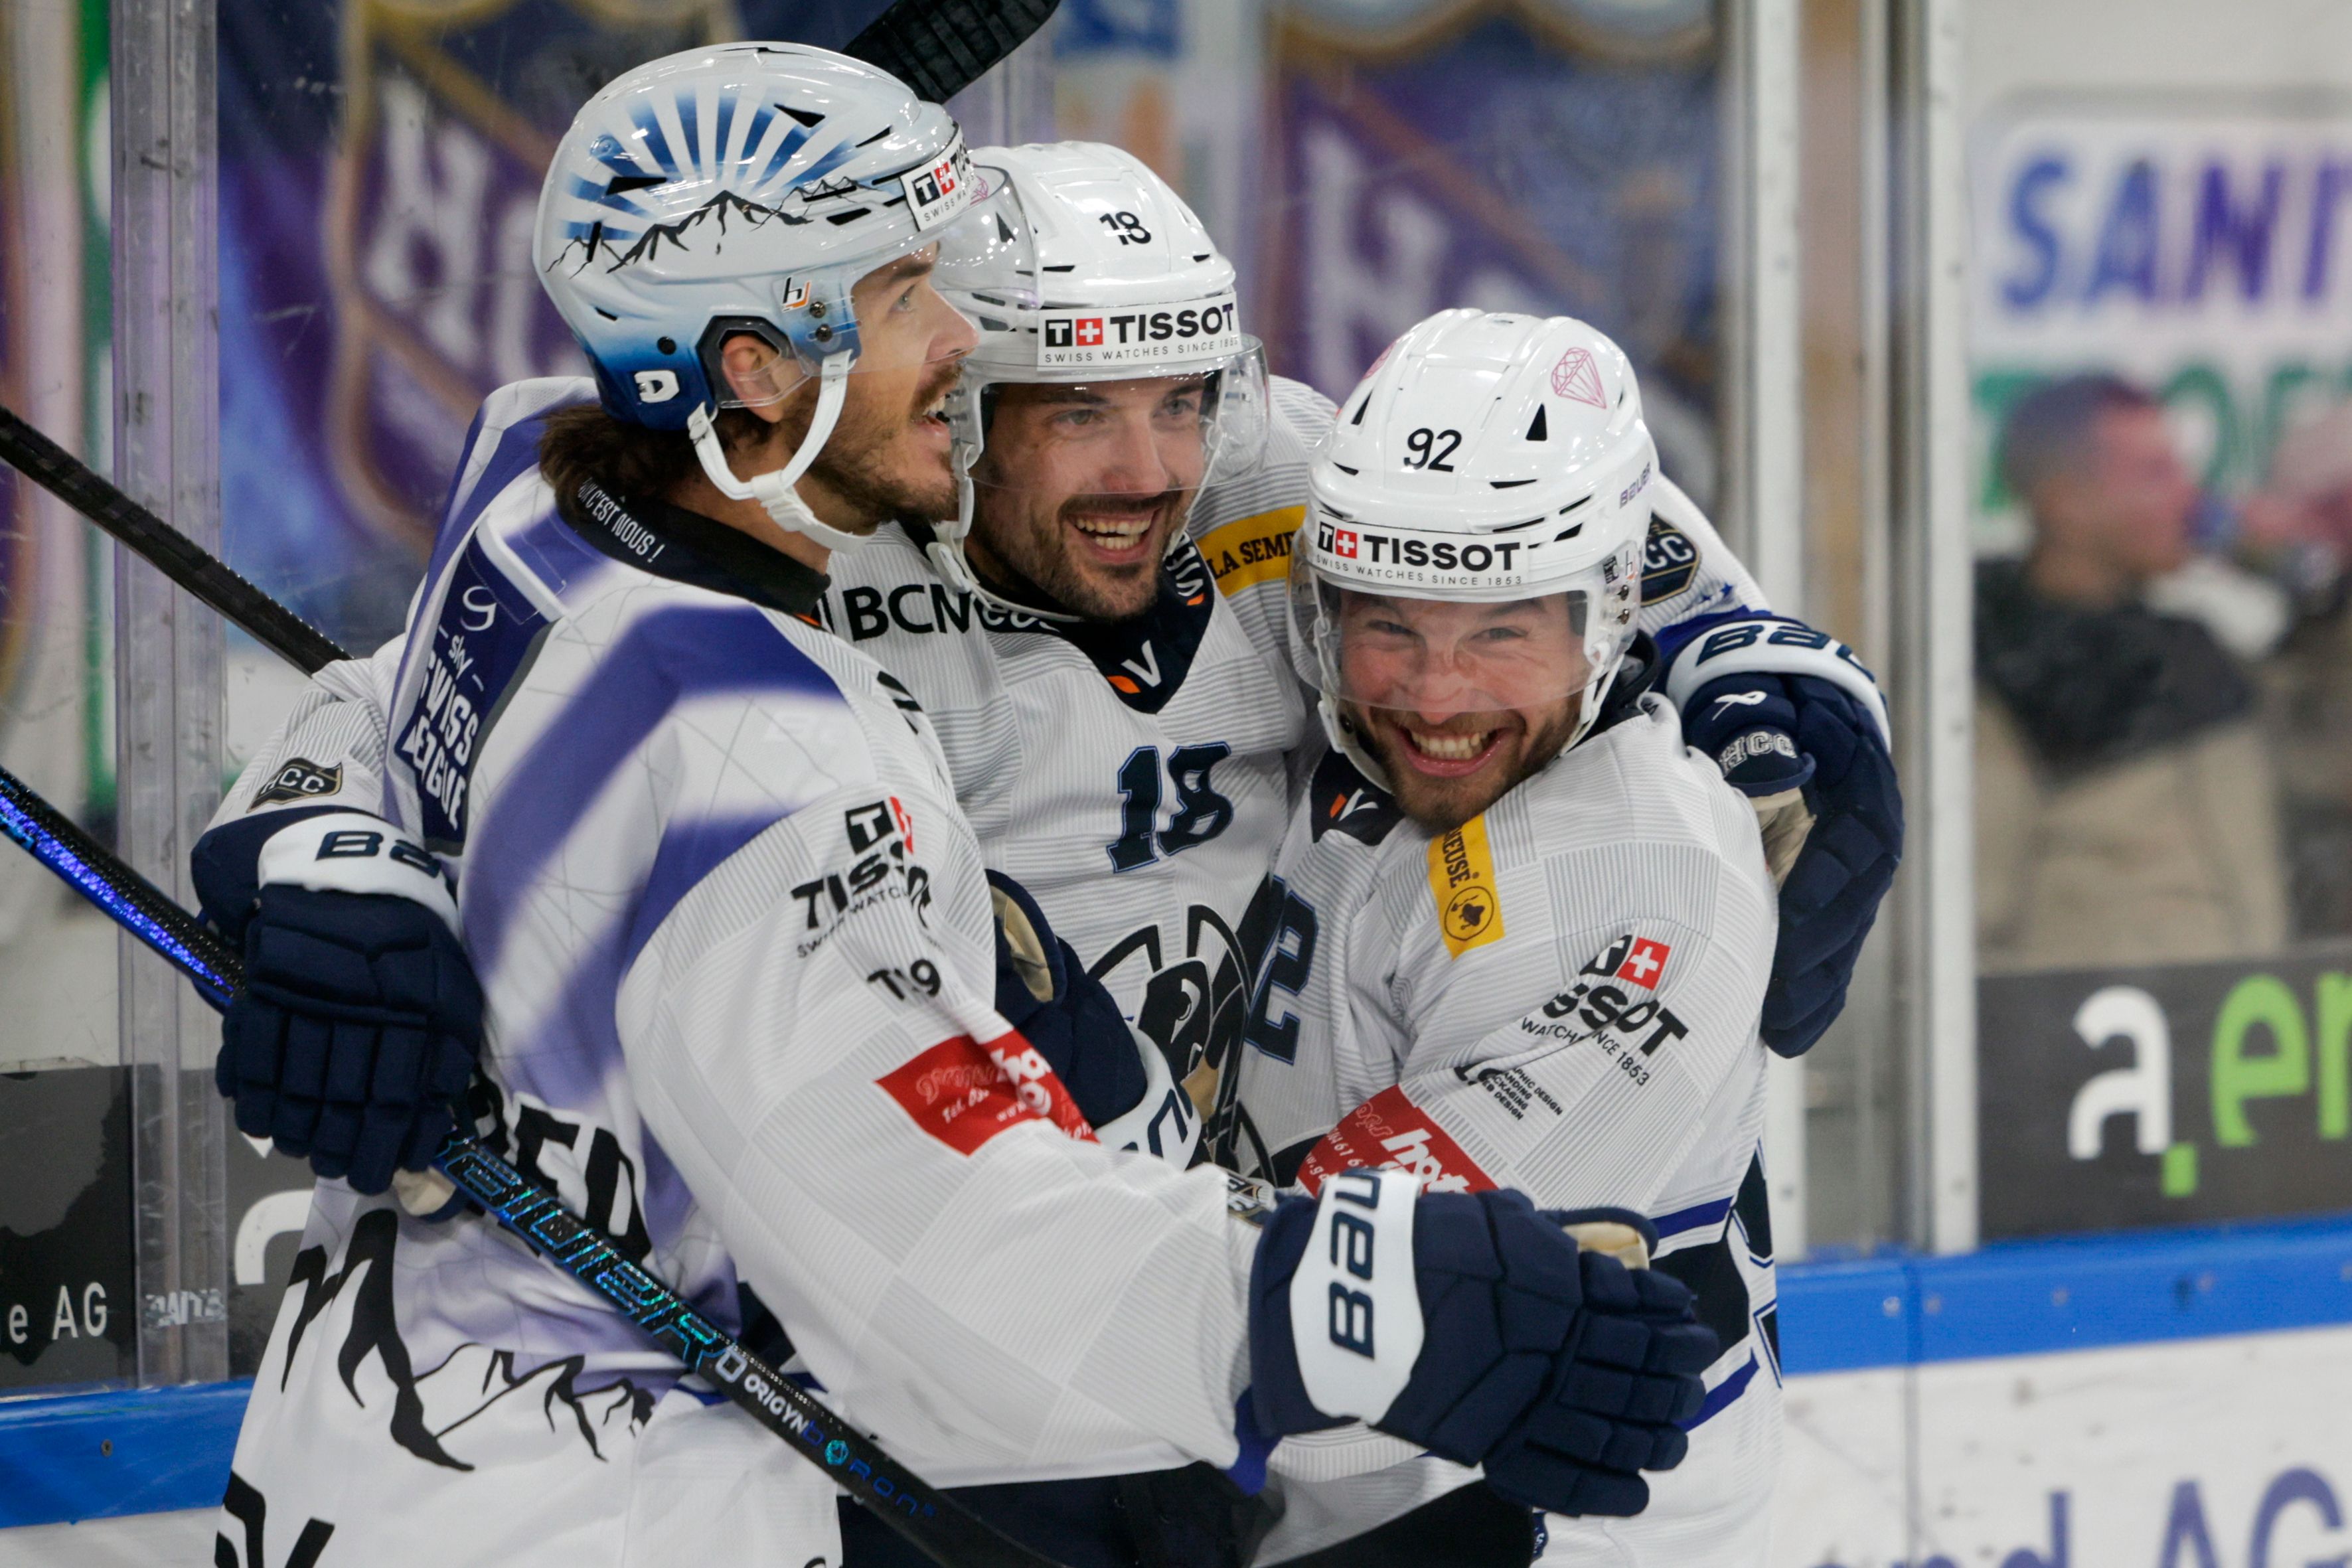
(774, 489)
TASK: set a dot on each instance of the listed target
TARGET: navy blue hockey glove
(354, 1039)
(1119, 1079)
(1748, 723)
(1474, 1326)
(1783, 707)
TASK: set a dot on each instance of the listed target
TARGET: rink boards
(2176, 1400)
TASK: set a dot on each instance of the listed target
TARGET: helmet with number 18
(1111, 381)
(1466, 579)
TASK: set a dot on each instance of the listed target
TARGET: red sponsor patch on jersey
(964, 1094)
(1645, 962)
(1390, 1133)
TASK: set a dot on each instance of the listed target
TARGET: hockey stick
(939, 47)
(933, 1523)
(168, 550)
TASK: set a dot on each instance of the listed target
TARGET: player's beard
(1036, 555)
(878, 458)
(1515, 743)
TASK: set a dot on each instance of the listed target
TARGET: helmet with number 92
(1465, 583)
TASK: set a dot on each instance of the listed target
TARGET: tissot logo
(1089, 332)
(939, 180)
(1438, 554)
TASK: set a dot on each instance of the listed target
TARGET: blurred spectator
(2306, 503)
(2301, 522)
(2126, 806)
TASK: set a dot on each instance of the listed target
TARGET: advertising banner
(2202, 248)
(2160, 1096)
(67, 1310)
(2224, 1453)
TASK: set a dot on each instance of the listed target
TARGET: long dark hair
(586, 443)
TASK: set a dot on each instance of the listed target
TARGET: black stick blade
(939, 47)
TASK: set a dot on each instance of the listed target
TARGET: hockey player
(733, 944)
(1524, 932)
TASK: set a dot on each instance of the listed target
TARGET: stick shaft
(164, 547)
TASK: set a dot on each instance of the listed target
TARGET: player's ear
(759, 374)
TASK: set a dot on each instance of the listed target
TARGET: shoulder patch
(1462, 880)
(300, 779)
(1341, 799)
(1251, 550)
(1669, 561)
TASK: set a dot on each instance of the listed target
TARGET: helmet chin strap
(773, 490)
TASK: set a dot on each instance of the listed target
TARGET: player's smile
(1119, 531)
(1456, 749)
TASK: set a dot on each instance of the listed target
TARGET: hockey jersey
(735, 945)
(1561, 996)
(1137, 777)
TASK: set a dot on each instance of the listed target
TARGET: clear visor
(1143, 440)
(890, 315)
(1442, 657)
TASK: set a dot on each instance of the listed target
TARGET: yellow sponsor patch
(1252, 550)
(1462, 880)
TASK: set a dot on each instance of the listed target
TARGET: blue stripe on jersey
(667, 655)
(516, 454)
(1719, 1397)
(553, 549)
(1693, 1218)
(690, 852)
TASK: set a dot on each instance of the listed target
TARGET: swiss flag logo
(1645, 963)
(1343, 542)
(1089, 331)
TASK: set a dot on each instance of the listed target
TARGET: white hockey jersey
(1137, 778)
(1561, 996)
(735, 946)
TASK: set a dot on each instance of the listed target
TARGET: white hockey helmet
(1485, 459)
(1083, 267)
(740, 188)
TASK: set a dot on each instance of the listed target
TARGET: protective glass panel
(68, 1287)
